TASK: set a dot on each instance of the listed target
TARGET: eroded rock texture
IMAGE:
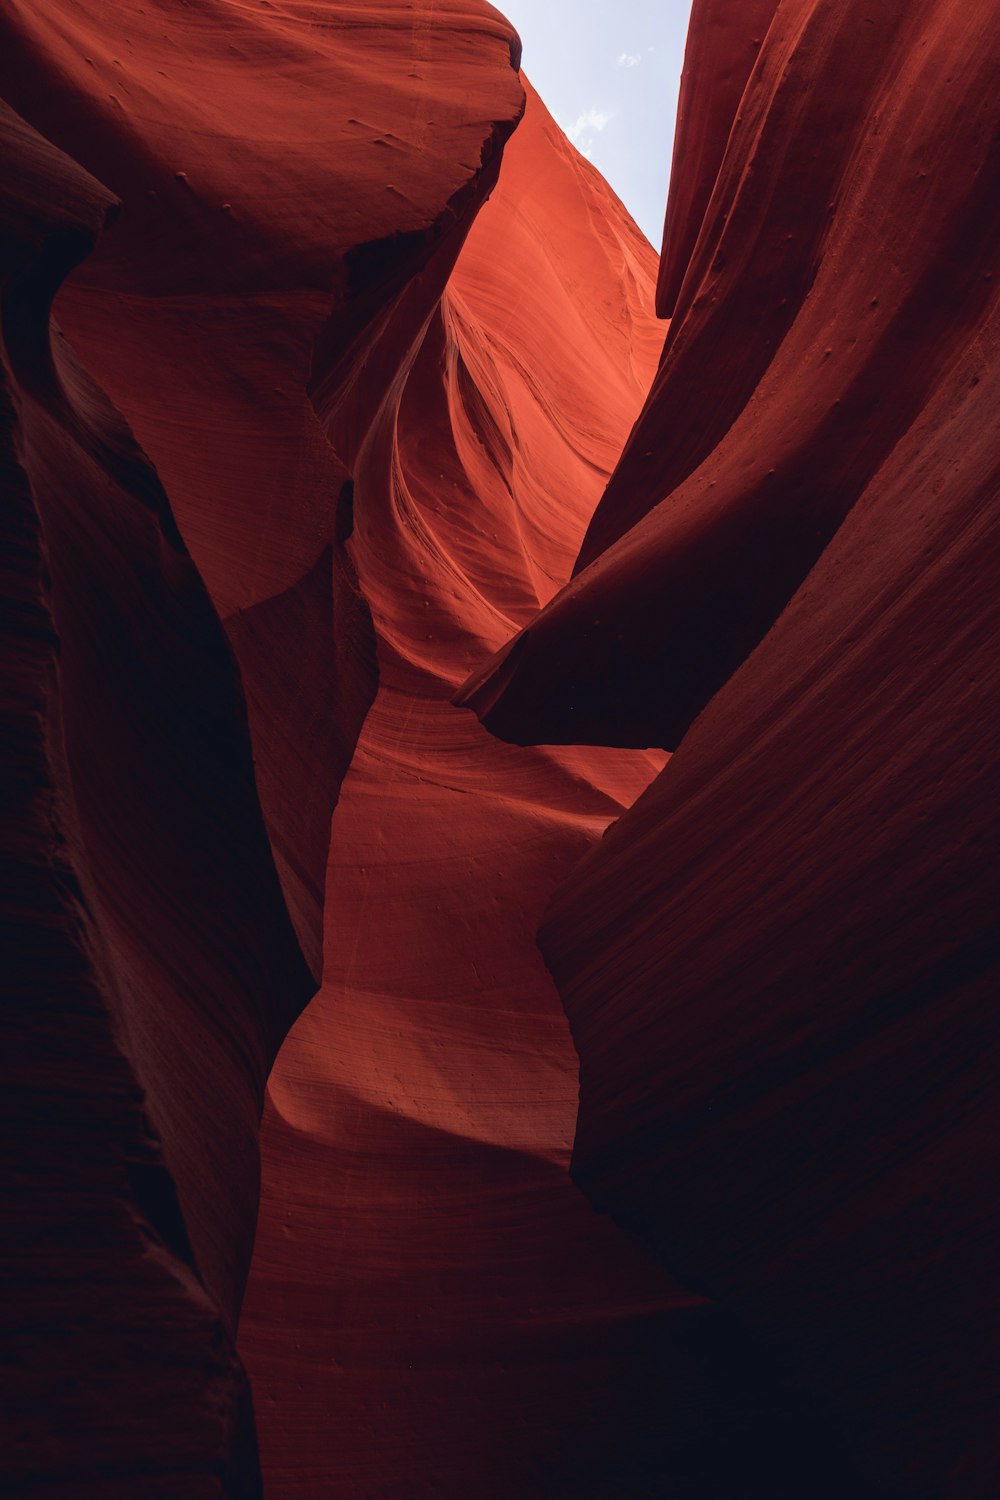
(150, 966)
(427, 1279)
(825, 279)
(435, 1310)
(391, 350)
(297, 181)
(232, 293)
(781, 965)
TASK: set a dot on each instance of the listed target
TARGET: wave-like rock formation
(258, 258)
(427, 1278)
(332, 404)
(265, 248)
(151, 969)
(781, 965)
(823, 278)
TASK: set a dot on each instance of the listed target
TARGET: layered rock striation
(779, 964)
(427, 1279)
(228, 291)
(151, 969)
(333, 404)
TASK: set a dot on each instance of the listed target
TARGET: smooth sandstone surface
(263, 250)
(842, 267)
(723, 43)
(427, 1280)
(256, 149)
(435, 1309)
(780, 965)
(413, 441)
(140, 1017)
(204, 320)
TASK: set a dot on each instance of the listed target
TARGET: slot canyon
(500, 756)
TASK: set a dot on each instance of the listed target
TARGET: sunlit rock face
(333, 404)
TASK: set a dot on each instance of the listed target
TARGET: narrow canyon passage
(427, 1279)
(434, 1309)
(615, 1123)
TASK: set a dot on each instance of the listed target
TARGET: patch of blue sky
(609, 71)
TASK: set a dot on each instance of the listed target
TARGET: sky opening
(609, 71)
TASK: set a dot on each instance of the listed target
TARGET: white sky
(609, 71)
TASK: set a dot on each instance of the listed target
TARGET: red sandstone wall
(384, 416)
(779, 964)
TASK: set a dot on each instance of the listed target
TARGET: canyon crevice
(500, 736)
